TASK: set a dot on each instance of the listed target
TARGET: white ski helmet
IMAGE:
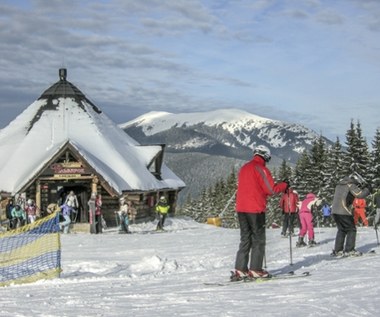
(357, 178)
(262, 151)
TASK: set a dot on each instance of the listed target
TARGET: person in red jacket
(255, 185)
(359, 211)
(288, 204)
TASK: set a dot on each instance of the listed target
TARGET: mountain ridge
(203, 147)
(228, 132)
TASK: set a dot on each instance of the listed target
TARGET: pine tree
(284, 172)
(363, 158)
(318, 160)
(375, 158)
(302, 175)
(334, 170)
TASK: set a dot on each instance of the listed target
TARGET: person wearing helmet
(345, 192)
(162, 209)
(31, 211)
(255, 185)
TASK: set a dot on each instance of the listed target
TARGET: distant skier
(66, 211)
(255, 185)
(72, 201)
(98, 214)
(346, 191)
(18, 217)
(359, 211)
(326, 213)
(306, 219)
(31, 210)
(123, 217)
(162, 209)
(92, 212)
(288, 204)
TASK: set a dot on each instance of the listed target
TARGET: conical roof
(62, 88)
(64, 115)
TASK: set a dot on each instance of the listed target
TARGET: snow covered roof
(64, 115)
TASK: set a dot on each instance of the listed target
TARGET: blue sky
(313, 62)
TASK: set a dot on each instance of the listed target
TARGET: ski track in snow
(163, 274)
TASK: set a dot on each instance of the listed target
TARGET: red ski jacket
(255, 184)
(289, 201)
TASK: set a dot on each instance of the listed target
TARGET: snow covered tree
(284, 172)
(357, 154)
(318, 160)
(375, 158)
(302, 175)
(334, 170)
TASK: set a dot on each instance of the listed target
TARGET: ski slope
(164, 274)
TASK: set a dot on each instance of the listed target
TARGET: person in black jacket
(346, 191)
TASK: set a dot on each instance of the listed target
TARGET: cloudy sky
(313, 62)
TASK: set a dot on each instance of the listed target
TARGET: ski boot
(352, 253)
(258, 274)
(300, 243)
(312, 243)
(238, 275)
(336, 253)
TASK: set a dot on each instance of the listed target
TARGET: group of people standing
(293, 207)
(256, 184)
(21, 213)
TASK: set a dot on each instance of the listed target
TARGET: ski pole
(377, 235)
(265, 261)
(227, 205)
(290, 240)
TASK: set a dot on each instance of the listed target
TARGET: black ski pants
(252, 241)
(161, 221)
(288, 222)
(346, 236)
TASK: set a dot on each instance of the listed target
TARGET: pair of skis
(275, 277)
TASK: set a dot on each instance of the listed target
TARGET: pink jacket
(308, 202)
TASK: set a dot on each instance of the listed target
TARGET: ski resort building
(63, 142)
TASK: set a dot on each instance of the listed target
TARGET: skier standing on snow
(359, 211)
(72, 201)
(306, 219)
(255, 185)
(18, 216)
(326, 212)
(288, 204)
(345, 192)
(123, 217)
(98, 214)
(66, 211)
(31, 211)
(92, 212)
(162, 209)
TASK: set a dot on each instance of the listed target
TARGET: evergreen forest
(317, 170)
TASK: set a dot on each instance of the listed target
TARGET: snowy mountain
(145, 274)
(225, 132)
(203, 147)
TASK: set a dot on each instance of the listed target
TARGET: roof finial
(62, 74)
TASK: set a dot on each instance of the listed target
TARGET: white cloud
(292, 59)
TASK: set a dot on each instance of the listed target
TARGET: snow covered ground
(163, 274)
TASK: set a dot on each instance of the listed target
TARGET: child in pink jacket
(306, 219)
